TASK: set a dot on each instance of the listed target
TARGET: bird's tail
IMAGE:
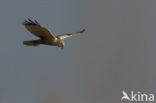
(32, 42)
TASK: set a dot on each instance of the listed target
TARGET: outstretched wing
(63, 36)
(35, 28)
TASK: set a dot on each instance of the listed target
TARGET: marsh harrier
(46, 37)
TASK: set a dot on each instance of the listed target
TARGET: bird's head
(61, 44)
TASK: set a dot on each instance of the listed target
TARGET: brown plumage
(46, 37)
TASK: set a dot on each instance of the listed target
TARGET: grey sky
(117, 51)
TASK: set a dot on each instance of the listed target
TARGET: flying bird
(45, 36)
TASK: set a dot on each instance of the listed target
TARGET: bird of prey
(45, 36)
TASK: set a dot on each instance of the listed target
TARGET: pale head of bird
(61, 44)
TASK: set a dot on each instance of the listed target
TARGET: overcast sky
(117, 51)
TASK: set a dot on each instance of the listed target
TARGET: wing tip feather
(82, 31)
(30, 22)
